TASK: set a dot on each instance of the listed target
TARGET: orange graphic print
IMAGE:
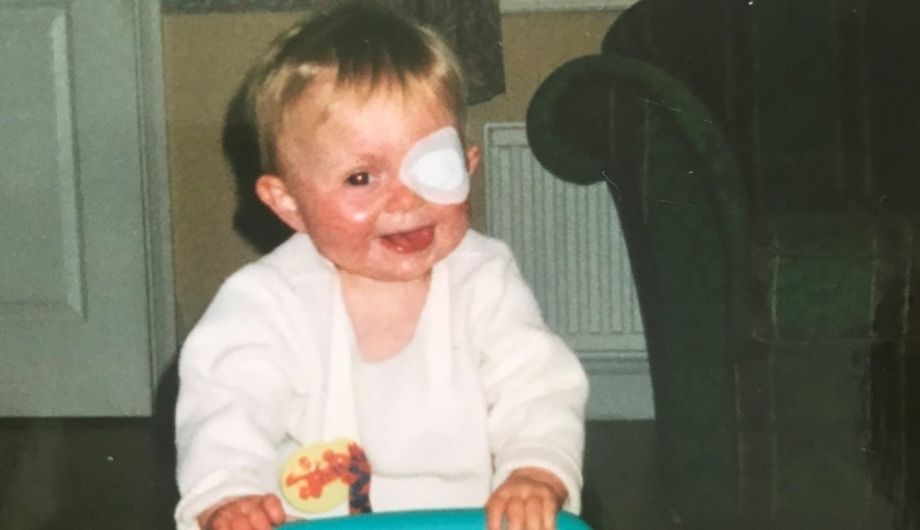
(319, 477)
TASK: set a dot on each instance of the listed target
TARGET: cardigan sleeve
(234, 384)
(535, 386)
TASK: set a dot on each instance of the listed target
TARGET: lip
(409, 241)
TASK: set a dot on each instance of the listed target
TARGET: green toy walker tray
(469, 519)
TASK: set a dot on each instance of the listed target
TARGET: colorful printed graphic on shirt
(320, 477)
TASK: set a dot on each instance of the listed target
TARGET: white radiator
(569, 246)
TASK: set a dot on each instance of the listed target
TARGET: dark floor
(117, 474)
(620, 489)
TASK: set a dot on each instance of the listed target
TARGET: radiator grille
(570, 248)
(568, 243)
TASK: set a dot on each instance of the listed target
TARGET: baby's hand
(530, 498)
(253, 512)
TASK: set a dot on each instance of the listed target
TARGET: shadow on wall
(253, 221)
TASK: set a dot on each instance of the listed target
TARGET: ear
(472, 159)
(274, 193)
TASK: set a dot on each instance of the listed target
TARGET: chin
(402, 274)
(388, 265)
(389, 268)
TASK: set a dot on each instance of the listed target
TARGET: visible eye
(362, 178)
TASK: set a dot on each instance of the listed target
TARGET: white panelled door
(86, 314)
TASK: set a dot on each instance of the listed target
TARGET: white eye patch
(435, 168)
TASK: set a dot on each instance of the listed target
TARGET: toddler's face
(340, 155)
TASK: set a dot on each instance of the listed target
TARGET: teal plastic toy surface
(469, 519)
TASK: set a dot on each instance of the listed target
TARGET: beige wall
(205, 57)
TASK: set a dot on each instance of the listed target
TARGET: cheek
(356, 216)
(334, 218)
(456, 215)
(454, 222)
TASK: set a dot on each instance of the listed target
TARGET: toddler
(386, 356)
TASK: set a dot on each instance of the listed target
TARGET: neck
(383, 314)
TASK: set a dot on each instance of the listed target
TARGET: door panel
(74, 251)
(42, 272)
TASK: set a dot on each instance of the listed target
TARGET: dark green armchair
(772, 228)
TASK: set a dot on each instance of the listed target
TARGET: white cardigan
(483, 388)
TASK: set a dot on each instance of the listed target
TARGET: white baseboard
(620, 386)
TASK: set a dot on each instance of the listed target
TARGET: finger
(259, 520)
(495, 510)
(240, 522)
(227, 519)
(218, 522)
(515, 511)
(533, 513)
(273, 508)
(243, 507)
(550, 509)
(221, 518)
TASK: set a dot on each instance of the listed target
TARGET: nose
(402, 198)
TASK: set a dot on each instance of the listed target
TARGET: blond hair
(366, 45)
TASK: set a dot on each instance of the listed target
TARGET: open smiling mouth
(410, 241)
